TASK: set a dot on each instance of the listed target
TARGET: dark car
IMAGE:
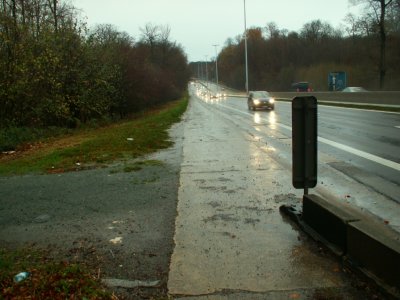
(260, 99)
(301, 87)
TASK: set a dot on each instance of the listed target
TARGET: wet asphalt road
(231, 242)
(358, 151)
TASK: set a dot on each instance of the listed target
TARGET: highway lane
(375, 133)
(359, 151)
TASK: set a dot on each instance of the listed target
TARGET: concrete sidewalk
(231, 240)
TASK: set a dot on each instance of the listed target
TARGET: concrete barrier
(369, 245)
(328, 220)
(374, 249)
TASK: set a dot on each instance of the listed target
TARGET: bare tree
(382, 33)
(23, 11)
(353, 28)
(61, 13)
(164, 34)
(150, 34)
(271, 30)
(53, 7)
(379, 9)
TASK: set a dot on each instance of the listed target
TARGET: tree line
(54, 71)
(367, 48)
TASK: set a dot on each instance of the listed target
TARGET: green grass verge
(47, 279)
(89, 148)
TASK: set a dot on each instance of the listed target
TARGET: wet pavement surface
(231, 240)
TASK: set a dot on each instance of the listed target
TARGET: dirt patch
(121, 224)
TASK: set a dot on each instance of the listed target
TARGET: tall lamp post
(216, 65)
(201, 71)
(206, 71)
(245, 48)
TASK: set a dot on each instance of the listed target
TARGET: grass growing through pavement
(89, 148)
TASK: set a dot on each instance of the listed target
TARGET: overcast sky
(198, 24)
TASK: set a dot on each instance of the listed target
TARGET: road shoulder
(120, 224)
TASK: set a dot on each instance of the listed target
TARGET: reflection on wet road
(359, 151)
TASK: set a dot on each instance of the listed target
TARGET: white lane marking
(369, 156)
(397, 127)
(366, 155)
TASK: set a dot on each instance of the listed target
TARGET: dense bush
(55, 72)
(12, 138)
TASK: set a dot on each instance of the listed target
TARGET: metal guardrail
(375, 98)
(378, 98)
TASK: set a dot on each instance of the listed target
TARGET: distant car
(301, 87)
(261, 100)
(221, 94)
(354, 89)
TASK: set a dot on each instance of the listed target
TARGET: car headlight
(256, 101)
(271, 100)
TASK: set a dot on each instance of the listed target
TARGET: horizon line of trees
(277, 58)
(56, 72)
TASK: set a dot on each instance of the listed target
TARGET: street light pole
(201, 71)
(245, 48)
(216, 64)
(206, 71)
